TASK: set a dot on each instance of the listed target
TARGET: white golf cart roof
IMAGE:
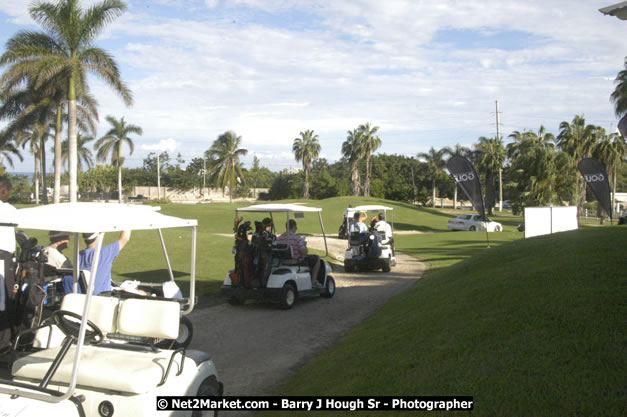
(287, 208)
(349, 211)
(371, 207)
(96, 217)
(279, 208)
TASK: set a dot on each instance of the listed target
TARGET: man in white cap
(58, 242)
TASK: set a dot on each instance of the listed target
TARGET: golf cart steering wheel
(69, 327)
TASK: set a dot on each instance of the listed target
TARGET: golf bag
(242, 275)
(373, 246)
(262, 242)
(30, 284)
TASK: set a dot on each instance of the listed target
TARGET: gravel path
(256, 345)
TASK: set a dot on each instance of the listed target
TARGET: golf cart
(261, 270)
(374, 250)
(93, 372)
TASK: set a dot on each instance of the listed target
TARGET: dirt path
(256, 345)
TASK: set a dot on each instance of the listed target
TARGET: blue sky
(427, 73)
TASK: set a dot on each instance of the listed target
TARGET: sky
(428, 73)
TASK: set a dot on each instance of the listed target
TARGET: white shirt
(383, 226)
(356, 226)
(7, 233)
(56, 258)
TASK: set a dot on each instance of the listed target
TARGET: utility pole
(204, 174)
(498, 137)
(158, 178)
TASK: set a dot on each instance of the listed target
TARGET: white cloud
(164, 145)
(197, 75)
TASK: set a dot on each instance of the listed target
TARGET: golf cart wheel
(386, 266)
(472, 228)
(348, 268)
(207, 388)
(288, 296)
(236, 301)
(186, 332)
(329, 288)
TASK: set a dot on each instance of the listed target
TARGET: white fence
(196, 194)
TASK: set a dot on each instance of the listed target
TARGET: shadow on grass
(156, 275)
(407, 226)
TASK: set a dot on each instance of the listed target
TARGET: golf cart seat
(115, 366)
(282, 251)
(382, 235)
(354, 239)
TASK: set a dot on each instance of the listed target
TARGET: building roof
(619, 10)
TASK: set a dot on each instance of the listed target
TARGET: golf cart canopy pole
(76, 264)
(165, 253)
(192, 278)
(324, 236)
(89, 291)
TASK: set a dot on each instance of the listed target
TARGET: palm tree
(35, 138)
(370, 143)
(611, 151)
(353, 150)
(65, 53)
(619, 96)
(306, 149)
(85, 157)
(224, 160)
(491, 156)
(435, 165)
(458, 150)
(523, 141)
(578, 140)
(111, 144)
(8, 150)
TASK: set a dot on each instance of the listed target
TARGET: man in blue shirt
(107, 255)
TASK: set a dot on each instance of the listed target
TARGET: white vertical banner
(546, 220)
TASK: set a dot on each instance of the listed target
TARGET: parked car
(474, 222)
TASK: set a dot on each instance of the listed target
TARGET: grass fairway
(534, 327)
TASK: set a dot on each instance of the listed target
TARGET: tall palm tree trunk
(36, 177)
(433, 193)
(44, 181)
(57, 157)
(306, 190)
(72, 148)
(455, 197)
(367, 181)
(120, 172)
(355, 177)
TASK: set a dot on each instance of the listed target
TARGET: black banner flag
(466, 176)
(594, 174)
(622, 126)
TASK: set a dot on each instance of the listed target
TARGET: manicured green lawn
(533, 327)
